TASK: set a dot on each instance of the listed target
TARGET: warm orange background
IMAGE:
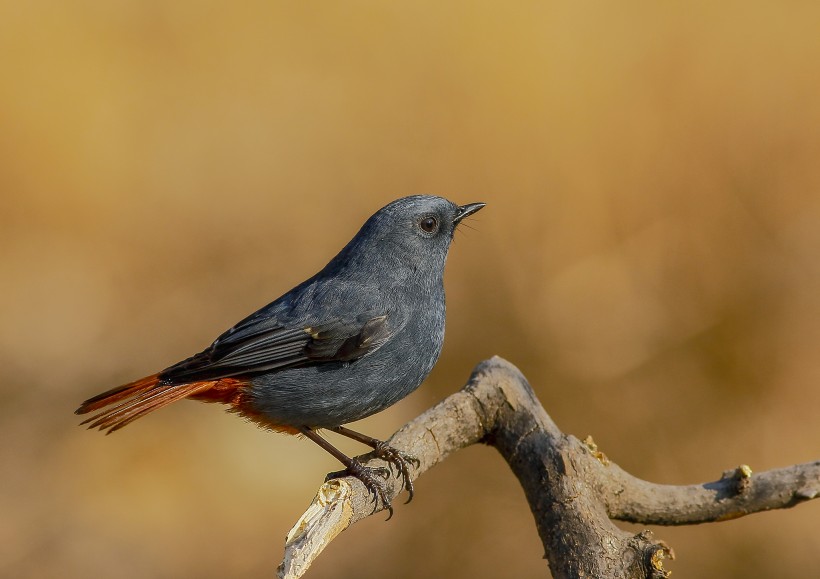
(649, 256)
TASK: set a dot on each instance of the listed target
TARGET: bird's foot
(368, 476)
(401, 461)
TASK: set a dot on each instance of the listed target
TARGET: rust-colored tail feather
(135, 400)
(109, 397)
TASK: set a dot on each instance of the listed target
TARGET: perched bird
(352, 340)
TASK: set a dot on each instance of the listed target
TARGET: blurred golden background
(649, 257)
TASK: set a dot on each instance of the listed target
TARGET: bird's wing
(265, 347)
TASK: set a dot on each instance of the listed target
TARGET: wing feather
(262, 349)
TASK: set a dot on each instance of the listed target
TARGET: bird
(352, 340)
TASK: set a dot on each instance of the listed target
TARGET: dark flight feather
(278, 347)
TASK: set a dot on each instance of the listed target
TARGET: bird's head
(412, 232)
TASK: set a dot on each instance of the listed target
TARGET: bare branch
(573, 490)
(737, 493)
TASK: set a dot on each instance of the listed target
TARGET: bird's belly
(336, 393)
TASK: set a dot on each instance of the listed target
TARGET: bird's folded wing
(269, 348)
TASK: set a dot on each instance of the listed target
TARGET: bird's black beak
(467, 210)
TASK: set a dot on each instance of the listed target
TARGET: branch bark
(573, 490)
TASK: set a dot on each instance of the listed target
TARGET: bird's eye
(429, 224)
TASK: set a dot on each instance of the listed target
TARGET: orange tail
(135, 400)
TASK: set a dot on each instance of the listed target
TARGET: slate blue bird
(352, 340)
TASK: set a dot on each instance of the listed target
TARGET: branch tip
(329, 514)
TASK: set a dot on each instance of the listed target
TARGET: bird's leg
(387, 453)
(354, 468)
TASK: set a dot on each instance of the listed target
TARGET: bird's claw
(368, 476)
(399, 460)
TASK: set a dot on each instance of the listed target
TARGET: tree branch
(737, 493)
(572, 488)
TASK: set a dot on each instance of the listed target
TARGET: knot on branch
(650, 555)
(740, 479)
